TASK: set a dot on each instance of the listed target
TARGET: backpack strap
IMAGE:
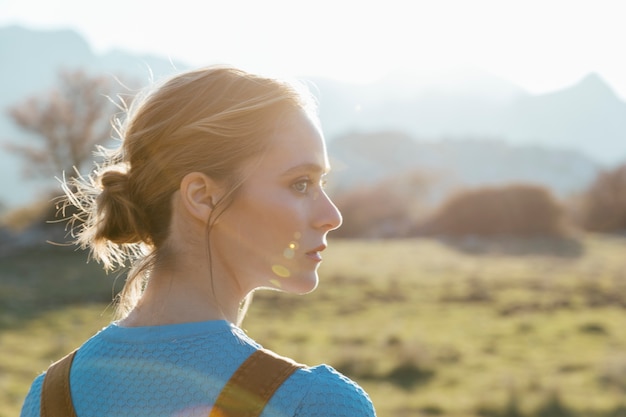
(56, 399)
(250, 388)
(245, 394)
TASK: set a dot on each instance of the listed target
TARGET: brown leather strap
(253, 384)
(56, 399)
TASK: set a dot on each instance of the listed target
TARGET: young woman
(216, 191)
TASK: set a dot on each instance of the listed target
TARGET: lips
(315, 254)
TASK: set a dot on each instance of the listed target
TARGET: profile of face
(273, 233)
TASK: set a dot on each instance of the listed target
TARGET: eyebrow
(307, 168)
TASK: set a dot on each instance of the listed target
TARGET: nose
(327, 215)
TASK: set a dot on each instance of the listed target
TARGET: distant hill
(587, 117)
(364, 159)
(31, 60)
(469, 124)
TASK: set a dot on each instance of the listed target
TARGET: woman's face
(274, 232)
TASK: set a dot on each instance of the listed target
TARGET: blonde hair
(209, 120)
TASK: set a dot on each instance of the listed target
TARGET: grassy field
(429, 328)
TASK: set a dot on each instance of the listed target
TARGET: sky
(541, 45)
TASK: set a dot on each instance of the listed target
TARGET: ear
(199, 193)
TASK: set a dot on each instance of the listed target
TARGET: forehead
(297, 140)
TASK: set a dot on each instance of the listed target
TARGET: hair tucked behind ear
(210, 120)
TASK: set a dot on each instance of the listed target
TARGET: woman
(215, 192)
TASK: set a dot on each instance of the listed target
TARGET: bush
(603, 205)
(385, 209)
(513, 210)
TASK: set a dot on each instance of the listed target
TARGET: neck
(172, 297)
(184, 286)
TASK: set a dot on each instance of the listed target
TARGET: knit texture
(179, 370)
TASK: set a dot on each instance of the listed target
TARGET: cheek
(279, 222)
(280, 236)
(269, 222)
(272, 229)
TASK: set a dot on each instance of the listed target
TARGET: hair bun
(114, 182)
(119, 214)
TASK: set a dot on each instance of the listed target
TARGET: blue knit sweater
(178, 370)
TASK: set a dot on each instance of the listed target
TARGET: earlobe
(198, 194)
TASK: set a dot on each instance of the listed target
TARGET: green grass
(496, 328)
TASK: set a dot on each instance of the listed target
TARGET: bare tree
(67, 123)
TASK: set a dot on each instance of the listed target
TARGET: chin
(309, 287)
(299, 285)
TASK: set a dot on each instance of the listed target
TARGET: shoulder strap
(56, 400)
(250, 388)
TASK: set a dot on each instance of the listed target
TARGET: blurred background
(479, 160)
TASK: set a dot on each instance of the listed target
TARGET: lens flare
(290, 251)
(281, 271)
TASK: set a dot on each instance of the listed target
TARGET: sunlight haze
(539, 45)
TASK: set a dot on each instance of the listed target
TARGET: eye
(302, 186)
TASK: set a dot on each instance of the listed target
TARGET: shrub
(603, 205)
(385, 209)
(513, 210)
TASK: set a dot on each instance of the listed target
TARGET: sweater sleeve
(30, 408)
(331, 394)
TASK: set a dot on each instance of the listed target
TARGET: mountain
(364, 159)
(588, 116)
(31, 60)
(472, 125)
